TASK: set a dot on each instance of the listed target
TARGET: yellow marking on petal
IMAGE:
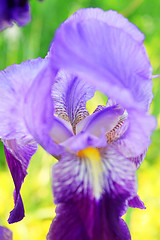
(93, 157)
(90, 152)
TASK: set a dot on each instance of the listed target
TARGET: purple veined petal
(138, 159)
(107, 56)
(70, 95)
(15, 82)
(118, 131)
(17, 11)
(134, 143)
(103, 222)
(120, 174)
(89, 209)
(103, 121)
(5, 234)
(39, 110)
(18, 157)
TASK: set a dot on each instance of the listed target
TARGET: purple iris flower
(14, 10)
(5, 234)
(95, 181)
(44, 101)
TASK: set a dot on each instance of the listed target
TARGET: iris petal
(59, 131)
(18, 157)
(136, 202)
(106, 55)
(82, 212)
(70, 95)
(103, 121)
(112, 18)
(39, 110)
(136, 140)
(88, 220)
(15, 82)
(84, 140)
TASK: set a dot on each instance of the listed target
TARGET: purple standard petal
(92, 198)
(5, 234)
(106, 50)
(17, 11)
(70, 95)
(39, 110)
(18, 157)
(112, 18)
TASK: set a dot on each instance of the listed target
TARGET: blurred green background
(19, 44)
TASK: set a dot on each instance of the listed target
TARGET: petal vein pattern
(99, 178)
(91, 157)
(70, 95)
